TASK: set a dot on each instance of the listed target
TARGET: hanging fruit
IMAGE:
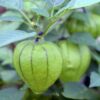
(92, 26)
(76, 60)
(38, 65)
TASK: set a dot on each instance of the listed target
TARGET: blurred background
(82, 20)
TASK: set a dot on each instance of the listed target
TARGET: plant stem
(53, 20)
(38, 18)
(27, 18)
(52, 12)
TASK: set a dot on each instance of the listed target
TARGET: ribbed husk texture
(38, 65)
(42, 64)
(76, 60)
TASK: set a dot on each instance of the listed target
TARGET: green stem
(52, 12)
(54, 19)
(27, 18)
(38, 18)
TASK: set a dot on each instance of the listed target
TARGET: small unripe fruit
(91, 26)
(97, 22)
(38, 65)
(76, 60)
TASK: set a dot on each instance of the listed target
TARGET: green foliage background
(28, 19)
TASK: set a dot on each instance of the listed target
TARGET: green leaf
(8, 37)
(81, 16)
(8, 75)
(55, 35)
(73, 4)
(96, 56)
(79, 92)
(55, 3)
(41, 11)
(94, 80)
(10, 20)
(11, 94)
(4, 25)
(12, 4)
(6, 55)
(84, 38)
(11, 16)
(28, 5)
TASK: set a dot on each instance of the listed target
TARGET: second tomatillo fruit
(76, 60)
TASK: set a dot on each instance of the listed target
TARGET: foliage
(47, 20)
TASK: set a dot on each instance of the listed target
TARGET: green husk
(38, 65)
(76, 60)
